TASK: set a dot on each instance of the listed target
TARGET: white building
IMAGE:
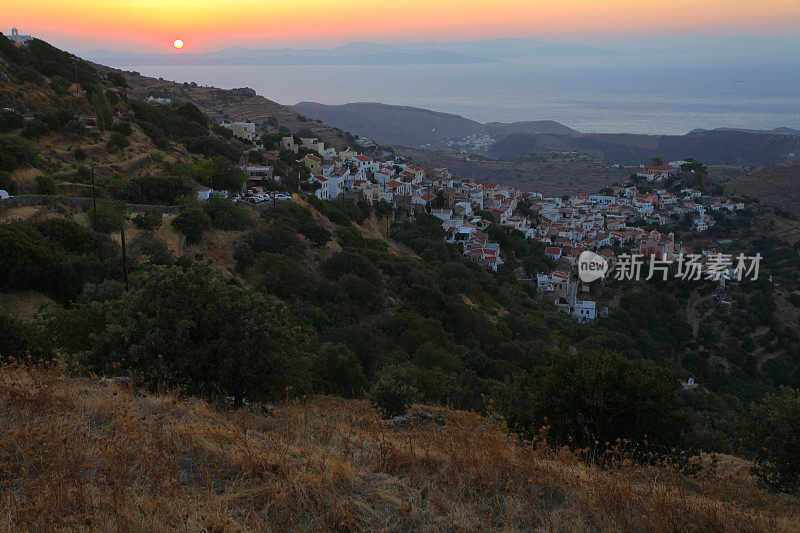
(584, 311)
(243, 130)
(17, 38)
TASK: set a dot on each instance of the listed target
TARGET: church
(17, 38)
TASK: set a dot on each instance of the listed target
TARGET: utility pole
(124, 255)
(94, 216)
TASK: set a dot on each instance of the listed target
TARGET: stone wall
(54, 200)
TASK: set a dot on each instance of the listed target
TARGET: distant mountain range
(667, 51)
(360, 53)
(415, 127)
(716, 147)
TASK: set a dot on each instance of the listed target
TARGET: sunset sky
(152, 25)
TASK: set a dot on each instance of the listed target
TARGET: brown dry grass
(79, 455)
(26, 304)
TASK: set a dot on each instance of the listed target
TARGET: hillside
(551, 173)
(83, 454)
(774, 184)
(414, 127)
(232, 105)
(276, 357)
(715, 147)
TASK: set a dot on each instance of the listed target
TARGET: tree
(225, 176)
(201, 332)
(772, 429)
(192, 223)
(118, 142)
(596, 396)
(105, 117)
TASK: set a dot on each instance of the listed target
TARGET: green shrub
(105, 216)
(10, 120)
(152, 190)
(8, 184)
(774, 437)
(29, 261)
(15, 152)
(337, 370)
(22, 340)
(394, 390)
(596, 396)
(226, 214)
(198, 331)
(283, 276)
(147, 221)
(277, 240)
(117, 79)
(155, 251)
(45, 185)
(118, 142)
(192, 223)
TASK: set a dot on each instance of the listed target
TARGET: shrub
(10, 120)
(192, 223)
(117, 79)
(226, 214)
(29, 261)
(108, 217)
(20, 340)
(348, 261)
(774, 436)
(394, 390)
(156, 251)
(71, 236)
(197, 330)
(337, 370)
(102, 292)
(153, 190)
(122, 127)
(15, 152)
(8, 184)
(276, 240)
(147, 221)
(244, 256)
(45, 185)
(596, 396)
(283, 276)
(118, 142)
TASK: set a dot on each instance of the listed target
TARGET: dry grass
(80, 455)
(26, 304)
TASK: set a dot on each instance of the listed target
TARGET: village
(605, 223)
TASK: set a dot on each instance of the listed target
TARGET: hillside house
(243, 130)
(584, 311)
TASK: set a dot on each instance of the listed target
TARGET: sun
(178, 43)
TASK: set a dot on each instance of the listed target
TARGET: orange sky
(152, 25)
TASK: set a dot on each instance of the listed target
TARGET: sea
(589, 96)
